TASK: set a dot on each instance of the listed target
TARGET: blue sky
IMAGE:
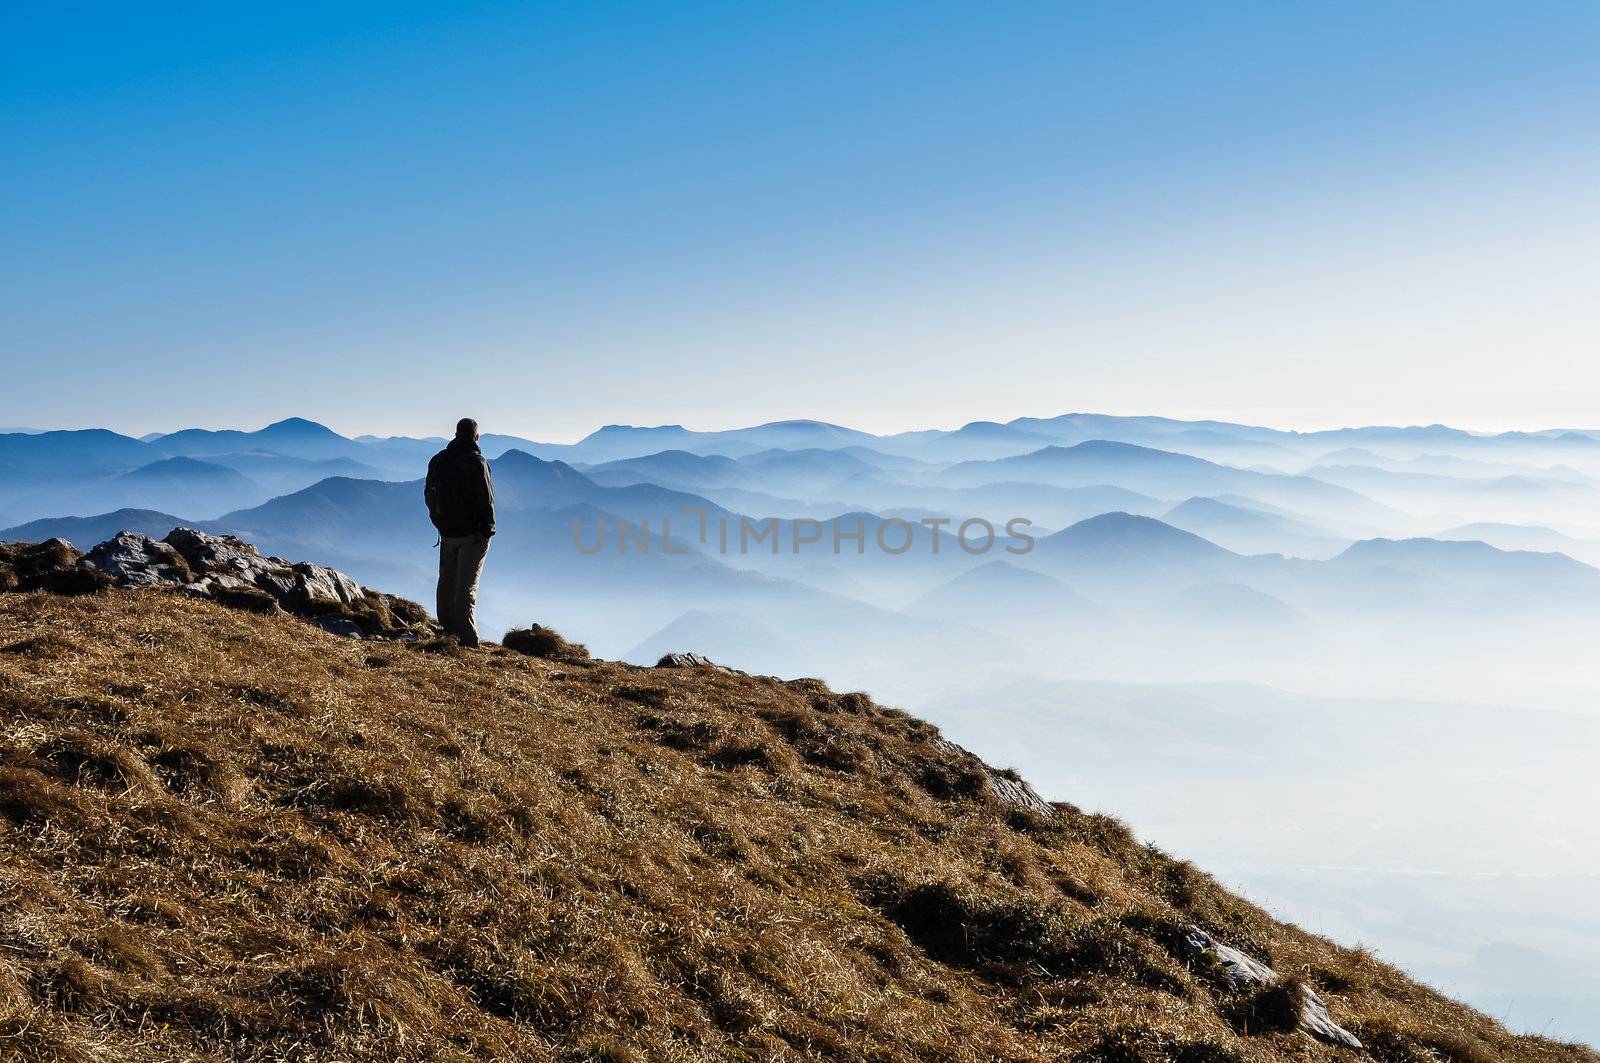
(890, 215)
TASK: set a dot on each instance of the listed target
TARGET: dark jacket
(459, 491)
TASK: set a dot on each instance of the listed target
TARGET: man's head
(467, 429)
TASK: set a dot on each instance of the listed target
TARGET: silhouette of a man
(460, 498)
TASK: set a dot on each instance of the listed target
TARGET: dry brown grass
(541, 641)
(226, 835)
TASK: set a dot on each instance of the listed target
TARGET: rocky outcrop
(224, 568)
(694, 660)
(1241, 971)
(133, 560)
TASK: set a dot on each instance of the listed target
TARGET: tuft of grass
(52, 566)
(1273, 1008)
(1139, 1043)
(250, 599)
(540, 641)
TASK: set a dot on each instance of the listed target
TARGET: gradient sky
(890, 215)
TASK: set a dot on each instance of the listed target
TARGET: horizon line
(1487, 433)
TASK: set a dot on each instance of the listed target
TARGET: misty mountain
(1533, 537)
(1451, 465)
(977, 439)
(1115, 541)
(1474, 564)
(1008, 599)
(1093, 462)
(739, 640)
(896, 463)
(85, 532)
(617, 442)
(1253, 531)
(1235, 606)
(174, 483)
(677, 468)
(796, 435)
(204, 488)
(1046, 506)
(294, 437)
(26, 456)
(1396, 486)
(1164, 474)
(281, 474)
(805, 471)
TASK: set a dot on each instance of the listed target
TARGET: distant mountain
(978, 439)
(1443, 437)
(810, 469)
(798, 435)
(1234, 605)
(282, 474)
(738, 640)
(1092, 462)
(1122, 539)
(881, 459)
(295, 437)
(86, 532)
(1252, 531)
(1163, 474)
(1535, 537)
(69, 453)
(340, 516)
(1005, 596)
(1398, 485)
(674, 467)
(188, 472)
(523, 481)
(1451, 465)
(1432, 434)
(1076, 427)
(614, 442)
(1473, 564)
(201, 488)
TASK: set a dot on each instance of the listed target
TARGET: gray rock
(224, 555)
(133, 560)
(1239, 969)
(695, 660)
(277, 582)
(338, 625)
(1006, 787)
(1242, 971)
(320, 585)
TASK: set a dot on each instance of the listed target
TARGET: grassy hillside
(226, 835)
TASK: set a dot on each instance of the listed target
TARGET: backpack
(441, 493)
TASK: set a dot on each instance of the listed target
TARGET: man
(460, 497)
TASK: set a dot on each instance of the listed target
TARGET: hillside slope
(226, 835)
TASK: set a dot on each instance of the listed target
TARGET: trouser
(460, 565)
